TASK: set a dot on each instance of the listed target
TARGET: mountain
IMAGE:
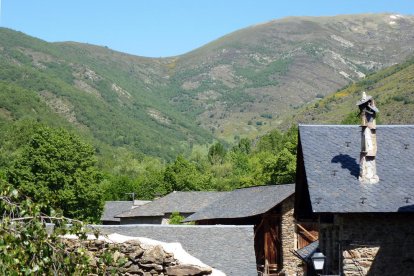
(242, 84)
(112, 98)
(392, 89)
(247, 82)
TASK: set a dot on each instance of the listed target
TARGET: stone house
(361, 197)
(113, 208)
(270, 210)
(160, 210)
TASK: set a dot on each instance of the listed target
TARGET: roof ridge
(176, 226)
(333, 125)
(265, 185)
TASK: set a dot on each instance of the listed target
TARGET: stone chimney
(368, 169)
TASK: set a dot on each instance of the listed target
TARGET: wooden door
(272, 242)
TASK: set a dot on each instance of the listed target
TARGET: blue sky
(158, 28)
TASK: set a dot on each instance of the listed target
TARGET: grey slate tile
(306, 252)
(325, 151)
(183, 202)
(113, 208)
(227, 248)
(245, 202)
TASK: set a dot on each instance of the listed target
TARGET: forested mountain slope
(243, 84)
(110, 97)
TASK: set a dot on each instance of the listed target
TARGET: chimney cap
(365, 98)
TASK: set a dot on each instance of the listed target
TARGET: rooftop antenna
(130, 194)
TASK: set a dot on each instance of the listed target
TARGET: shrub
(28, 248)
(176, 218)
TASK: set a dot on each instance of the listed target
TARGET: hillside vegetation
(105, 96)
(392, 89)
(241, 85)
(245, 83)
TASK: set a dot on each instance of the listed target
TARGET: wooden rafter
(307, 233)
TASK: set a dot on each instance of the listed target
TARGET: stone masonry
(291, 263)
(133, 258)
(358, 260)
(369, 244)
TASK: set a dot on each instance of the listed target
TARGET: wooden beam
(307, 233)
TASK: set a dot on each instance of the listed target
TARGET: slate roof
(113, 208)
(183, 202)
(331, 160)
(245, 202)
(227, 248)
(306, 252)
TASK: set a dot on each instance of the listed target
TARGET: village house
(362, 201)
(270, 210)
(159, 211)
(113, 208)
(266, 209)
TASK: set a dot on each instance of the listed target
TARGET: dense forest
(58, 168)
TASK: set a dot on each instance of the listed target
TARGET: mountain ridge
(296, 61)
(240, 85)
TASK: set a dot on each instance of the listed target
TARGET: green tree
(118, 187)
(151, 179)
(243, 146)
(271, 142)
(182, 175)
(13, 138)
(152, 185)
(216, 153)
(275, 159)
(281, 168)
(240, 162)
(56, 168)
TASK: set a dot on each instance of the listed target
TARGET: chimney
(368, 110)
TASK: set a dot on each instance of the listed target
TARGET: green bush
(176, 218)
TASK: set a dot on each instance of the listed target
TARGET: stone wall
(357, 260)
(291, 263)
(369, 244)
(228, 248)
(134, 258)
